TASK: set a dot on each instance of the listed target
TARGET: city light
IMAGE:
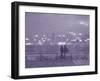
(63, 35)
(59, 35)
(83, 23)
(40, 42)
(29, 43)
(44, 35)
(74, 40)
(36, 35)
(80, 40)
(43, 39)
(80, 33)
(86, 40)
(53, 39)
(48, 39)
(61, 43)
(26, 39)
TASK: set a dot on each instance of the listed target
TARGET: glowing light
(44, 35)
(36, 35)
(63, 35)
(80, 40)
(29, 43)
(40, 42)
(86, 40)
(61, 43)
(26, 39)
(74, 40)
(48, 39)
(80, 33)
(72, 33)
(83, 23)
(43, 39)
(59, 35)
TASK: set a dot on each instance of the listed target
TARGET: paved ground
(58, 61)
(49, 56)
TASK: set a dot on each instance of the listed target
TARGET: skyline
(46, 23)
(71, 37)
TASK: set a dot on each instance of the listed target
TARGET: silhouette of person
(65, 49)
(61, 51)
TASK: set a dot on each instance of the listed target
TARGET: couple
(63, 51)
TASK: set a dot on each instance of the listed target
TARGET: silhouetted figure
(63, 51)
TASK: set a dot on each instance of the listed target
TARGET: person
(65, 50)
(61, 51)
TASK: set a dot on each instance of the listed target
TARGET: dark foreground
(50, 56)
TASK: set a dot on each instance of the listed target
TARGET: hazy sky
(44, 23)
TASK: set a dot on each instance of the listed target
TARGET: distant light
(36, 35)
(44, 35)
(80, 33)
(29, 43)
(63, 35)
(59, 35)
(74, 40)
(43, 39)
(86, 40)
(72, 33)
(80, 40)
(61, 43)
(26, 39)
(83, 23)
(48, 39)
(40, 42)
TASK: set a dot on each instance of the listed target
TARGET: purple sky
(44, 23)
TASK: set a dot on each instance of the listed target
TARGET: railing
(34, 53)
